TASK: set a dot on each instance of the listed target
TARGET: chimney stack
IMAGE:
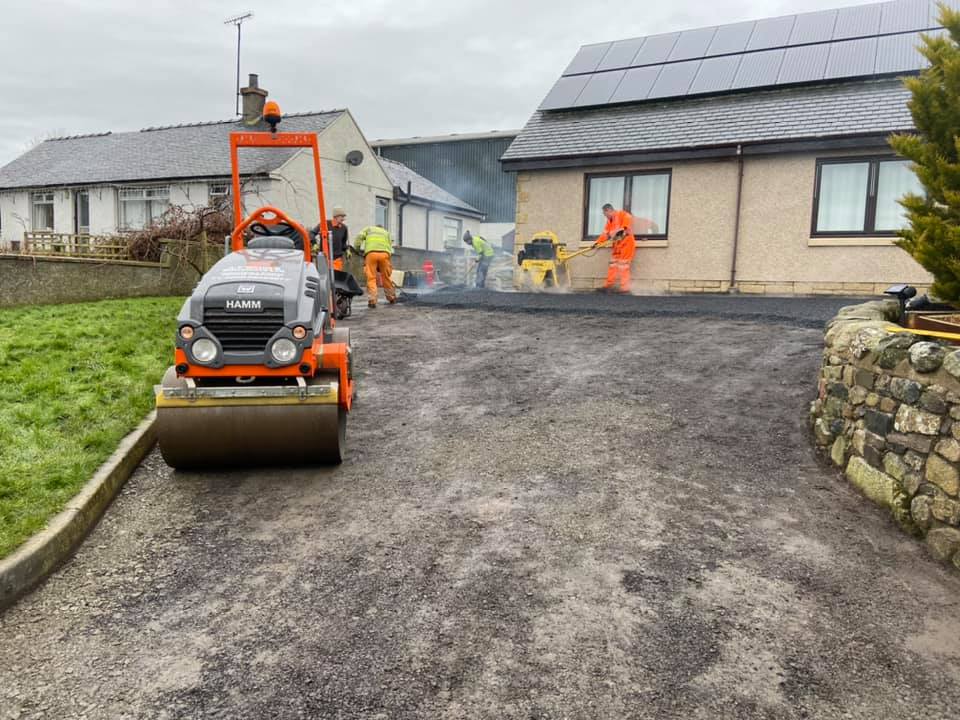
(253, 100)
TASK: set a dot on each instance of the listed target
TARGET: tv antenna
(238, 21)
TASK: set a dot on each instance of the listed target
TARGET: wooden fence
(51, 244)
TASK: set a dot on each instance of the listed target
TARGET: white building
(111, 183)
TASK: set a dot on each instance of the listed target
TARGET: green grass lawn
(74, 379)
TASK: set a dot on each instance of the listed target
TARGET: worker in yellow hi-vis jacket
(484, 251)
(376, 247)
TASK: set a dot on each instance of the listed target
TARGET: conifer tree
(932, 236)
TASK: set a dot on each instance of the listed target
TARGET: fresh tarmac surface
(811, 312)
(543, 515)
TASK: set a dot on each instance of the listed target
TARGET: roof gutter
(847, 142)
(435, 139)
(126, 183)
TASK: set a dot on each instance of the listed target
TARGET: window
(858, 196)
(452, 232)
(894, 180)
(218, 197)
(218, 192)
(82, 212)
(382, 210)
(41, 210)
(644, 195)
(603, 190)
(141, 207)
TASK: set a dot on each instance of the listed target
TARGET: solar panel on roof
(852, 58)
(731, 38)
(715, 75)
(898, 53)
(621, 54)
(565, 92)
(656, 49)
(904, 16)
(857, 21)
(758, 69)
(587, 59)
(813, 27)
(806, 63)
(852, 42)
(675, 79)
(636, 84)
(599, 89)
(771, 33)
(692, 44)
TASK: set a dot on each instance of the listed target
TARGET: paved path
(542, 516)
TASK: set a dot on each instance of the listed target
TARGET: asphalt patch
(809, 312)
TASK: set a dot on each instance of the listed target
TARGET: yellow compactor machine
(543, 262)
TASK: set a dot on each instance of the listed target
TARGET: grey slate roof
(399, 175)
(802, 113)
(183, 151)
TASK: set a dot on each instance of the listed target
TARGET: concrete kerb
(31, 563)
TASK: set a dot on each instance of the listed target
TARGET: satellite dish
(354, 157)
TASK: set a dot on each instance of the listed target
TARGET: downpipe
(736, 223)
(405, 197)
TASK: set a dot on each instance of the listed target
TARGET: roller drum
(232, 435)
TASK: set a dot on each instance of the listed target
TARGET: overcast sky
(414, 67)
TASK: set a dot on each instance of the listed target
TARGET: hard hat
(339, 211)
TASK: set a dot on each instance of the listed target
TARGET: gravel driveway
(586, 514)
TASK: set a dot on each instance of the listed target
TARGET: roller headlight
(284, 351)
(204, 350)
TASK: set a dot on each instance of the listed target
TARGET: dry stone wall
(888, 413)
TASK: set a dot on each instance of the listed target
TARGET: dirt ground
(543, 515)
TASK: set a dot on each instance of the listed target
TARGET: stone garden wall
(888, 413)
(26, 280)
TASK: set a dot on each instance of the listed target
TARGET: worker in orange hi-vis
(619, 229)
(376, 246)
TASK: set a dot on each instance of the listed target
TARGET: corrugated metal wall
(470, 169)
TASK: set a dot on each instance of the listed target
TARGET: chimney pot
(254, 98)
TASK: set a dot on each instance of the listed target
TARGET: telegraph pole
(238, 21)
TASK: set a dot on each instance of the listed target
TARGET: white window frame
(156, 199)
(38, 199)
(449, 223)
(215, 193)
(383, 204)
(80, 228)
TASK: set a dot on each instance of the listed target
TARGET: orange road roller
(261, 374)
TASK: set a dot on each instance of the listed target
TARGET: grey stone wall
(28, 280)
(888, 413)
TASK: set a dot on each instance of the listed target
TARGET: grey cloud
(414, 68)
